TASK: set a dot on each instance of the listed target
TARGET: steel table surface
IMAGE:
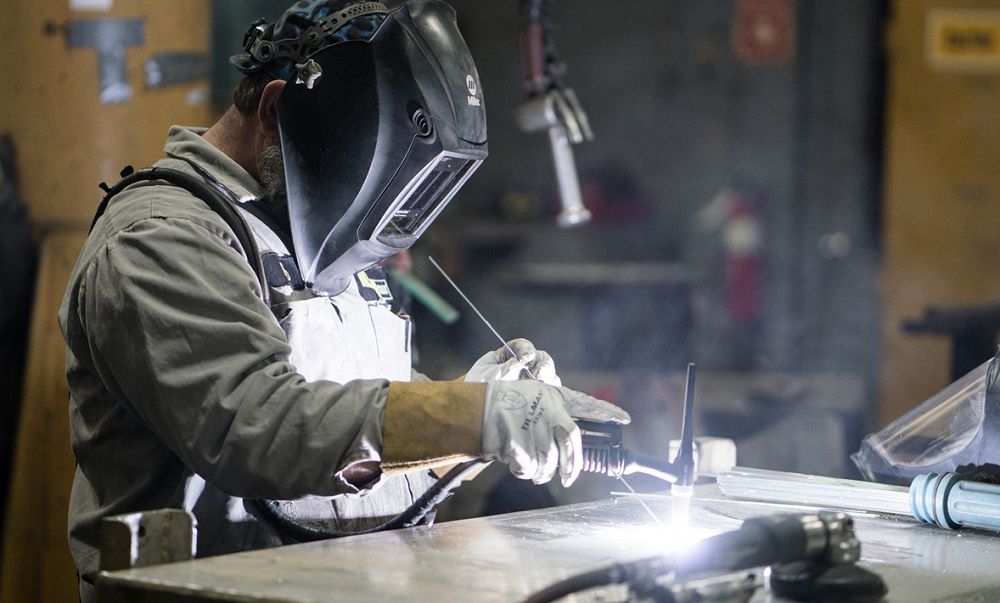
(507, 557)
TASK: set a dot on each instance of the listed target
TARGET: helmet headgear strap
(312, 40)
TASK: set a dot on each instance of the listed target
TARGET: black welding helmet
(378, 132)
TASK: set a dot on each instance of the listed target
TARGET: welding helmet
(957, 428)
(381, 122)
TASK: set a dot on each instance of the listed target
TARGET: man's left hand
(529, 363)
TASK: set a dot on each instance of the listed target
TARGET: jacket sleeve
(179, 334)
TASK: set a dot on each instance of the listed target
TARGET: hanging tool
(552, 106)
(948, 500)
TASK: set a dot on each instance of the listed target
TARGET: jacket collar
(186, 143)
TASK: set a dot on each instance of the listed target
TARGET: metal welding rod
(948, 500)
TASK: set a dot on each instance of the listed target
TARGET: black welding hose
(575, 584)
(650, 568)
(411, 516)
(618, 573)
(758, 542)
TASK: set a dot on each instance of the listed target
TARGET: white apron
(353, 335)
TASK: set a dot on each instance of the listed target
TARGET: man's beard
(274, 202)
(271, 167)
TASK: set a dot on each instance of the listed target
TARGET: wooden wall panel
(67, 139)
(942, 196)
(36, 562)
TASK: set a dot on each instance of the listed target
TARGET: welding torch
(605, 453)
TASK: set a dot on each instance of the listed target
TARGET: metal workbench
(507, 557)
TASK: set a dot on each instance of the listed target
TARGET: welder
(229, 331)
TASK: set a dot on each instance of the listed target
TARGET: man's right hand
(527, 363)
(529, 426)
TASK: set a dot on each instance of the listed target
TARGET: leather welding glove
(499, 365)
(526, 424)
(529, 426)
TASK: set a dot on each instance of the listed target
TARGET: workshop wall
(36, 564)
(98, 84)
(693, 131)
(680, 119)
(91, 85)
(942, 198)
(17, 258)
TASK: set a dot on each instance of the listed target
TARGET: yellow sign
(965, 40)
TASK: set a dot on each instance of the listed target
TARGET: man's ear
(267, 110)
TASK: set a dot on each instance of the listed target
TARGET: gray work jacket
(182, 392)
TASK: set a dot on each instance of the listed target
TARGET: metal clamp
(840, 543)
(147, 538)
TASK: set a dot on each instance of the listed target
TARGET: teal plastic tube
(947, 500)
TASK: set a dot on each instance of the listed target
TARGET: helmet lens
(424, 197)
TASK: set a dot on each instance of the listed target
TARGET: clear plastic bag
(959, 425)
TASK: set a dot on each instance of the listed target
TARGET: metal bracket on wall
(110, 37)
(169, 68)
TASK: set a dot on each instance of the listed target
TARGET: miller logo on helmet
(470, 83)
